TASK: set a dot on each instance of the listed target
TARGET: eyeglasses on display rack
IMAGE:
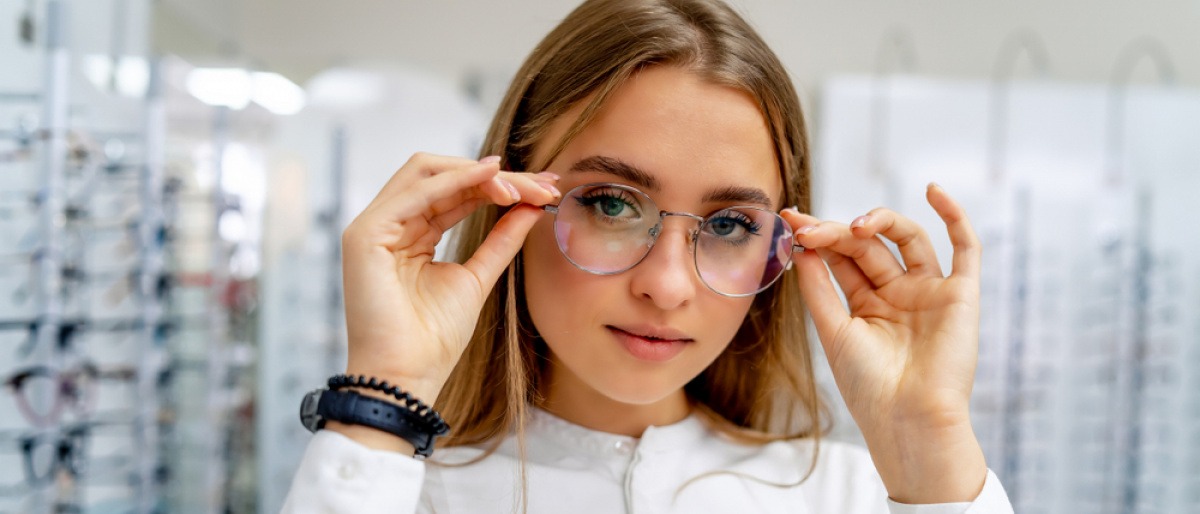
(114, 232)
(85, 237)
(44, 457)
(46, 454)
(43, 394)
(78, 452)
(606, 228)
(66, 331)
(111, 288)
(82, 148)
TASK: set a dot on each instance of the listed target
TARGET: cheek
(724, 317)
(543, 263)
(552, 294)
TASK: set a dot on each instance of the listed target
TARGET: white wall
(816, 38)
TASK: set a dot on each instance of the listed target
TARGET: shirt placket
(628, 488)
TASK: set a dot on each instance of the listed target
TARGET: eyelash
(591, 198)
(750, 225)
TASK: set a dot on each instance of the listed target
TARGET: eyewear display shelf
(86, 287)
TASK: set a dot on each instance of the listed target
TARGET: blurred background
(175, 175)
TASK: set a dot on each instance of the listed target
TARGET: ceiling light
(276, 93)
(224, 87)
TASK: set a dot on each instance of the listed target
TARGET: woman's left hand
(904, 355)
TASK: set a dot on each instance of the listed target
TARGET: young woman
(623, 331)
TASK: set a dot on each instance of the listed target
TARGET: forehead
(691, 135)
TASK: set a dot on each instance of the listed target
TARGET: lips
(664, 334)
(653, 344)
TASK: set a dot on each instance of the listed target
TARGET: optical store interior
(175, 176)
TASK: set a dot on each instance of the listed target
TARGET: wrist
(929, 463)
(426, 389)
(375, 413)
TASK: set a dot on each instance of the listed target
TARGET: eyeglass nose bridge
(662, 216)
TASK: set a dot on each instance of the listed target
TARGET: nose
(667, 276)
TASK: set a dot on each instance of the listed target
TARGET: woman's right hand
(408, 318)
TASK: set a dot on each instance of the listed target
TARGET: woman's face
(689, 140)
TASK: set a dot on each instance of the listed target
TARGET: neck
(568, 398)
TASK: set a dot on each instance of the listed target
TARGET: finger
(870, 255)
(495, 190)
(533, 188)
(502, 245)
(439, 192)
(445, 220)
(797, 219)
(849, 276)
(847, 273)
(421, 165)
(405, 221)
(967, 250)
(828, 313)
(436, 194)
(913, 242)
(504, 189)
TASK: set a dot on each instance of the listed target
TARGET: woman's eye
(724, 226)
(732, 226)
(611, 206)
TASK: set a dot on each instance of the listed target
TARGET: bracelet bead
(428, 416)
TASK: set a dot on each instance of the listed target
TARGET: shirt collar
(656, 439)
(781, 462)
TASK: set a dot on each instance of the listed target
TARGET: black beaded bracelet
(426, 416)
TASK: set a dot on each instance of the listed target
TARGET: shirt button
(623, 447)
(347, 471)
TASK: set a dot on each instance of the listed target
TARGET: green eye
(611, 206)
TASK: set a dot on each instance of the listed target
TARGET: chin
(636, 389)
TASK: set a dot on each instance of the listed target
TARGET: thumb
(502, 244)
(823, 302)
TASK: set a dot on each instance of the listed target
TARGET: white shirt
(571, 469)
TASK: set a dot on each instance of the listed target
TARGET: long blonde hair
(761, 388)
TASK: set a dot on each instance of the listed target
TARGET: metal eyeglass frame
(657, 229)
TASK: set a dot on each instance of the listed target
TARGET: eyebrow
(638, 177)
(738, 195)
(619, 168)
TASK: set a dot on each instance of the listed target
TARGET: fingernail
(550, 175)
(512, 190)
(805, 229)
(860, 221)
(550, 187)
(491, 159)
(792, 209)
(935, 184)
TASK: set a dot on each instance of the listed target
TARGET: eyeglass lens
(609, 228)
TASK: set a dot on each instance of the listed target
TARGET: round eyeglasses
(606, 229)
